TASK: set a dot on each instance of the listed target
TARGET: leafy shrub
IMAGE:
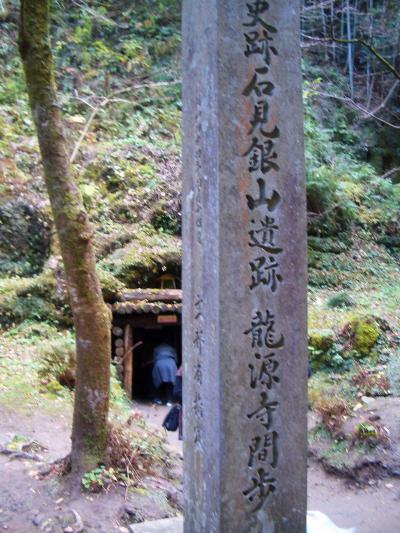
(166, 221)
(340, 300)
(99, 479)
(24, 238)
(58, 361)
(342, 191)
(31, 299)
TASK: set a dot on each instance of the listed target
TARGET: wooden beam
(152, 295)
(128, 360)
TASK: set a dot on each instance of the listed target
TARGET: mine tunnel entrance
(143, 356)
(143, 319)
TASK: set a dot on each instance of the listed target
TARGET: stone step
(167, 525)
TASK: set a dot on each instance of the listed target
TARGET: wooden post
(128, 360)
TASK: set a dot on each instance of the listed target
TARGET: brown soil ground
(29, 504)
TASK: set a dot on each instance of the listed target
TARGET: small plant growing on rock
(99, 479)
(371, 433)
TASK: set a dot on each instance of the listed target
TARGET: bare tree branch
(382, 105)
(107, 100)
(390, 173)
(373, 51)
(351, 103)
(361, 42)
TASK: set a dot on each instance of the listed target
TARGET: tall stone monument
(244, 346)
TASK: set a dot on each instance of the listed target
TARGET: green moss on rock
(144, 259)
(110, 285)
(321, 340)
(31, 299)
(366, 334)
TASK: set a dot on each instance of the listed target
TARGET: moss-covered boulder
(32, 299)
(321, 339)
(361, 336)
(319, 343)
(366, 334)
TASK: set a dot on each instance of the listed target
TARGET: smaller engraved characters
(198, 345)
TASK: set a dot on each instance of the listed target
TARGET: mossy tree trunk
(91, 316)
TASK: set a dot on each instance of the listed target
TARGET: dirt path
(155, 414)
(28, 504)
(375, 509)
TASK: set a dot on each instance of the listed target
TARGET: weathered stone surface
(167, 525)
(244, 334)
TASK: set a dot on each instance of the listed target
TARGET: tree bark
(91, 316)
(350, 49)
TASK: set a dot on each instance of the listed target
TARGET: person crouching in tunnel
(164, 373)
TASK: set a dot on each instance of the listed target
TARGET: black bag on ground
(171, 421)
